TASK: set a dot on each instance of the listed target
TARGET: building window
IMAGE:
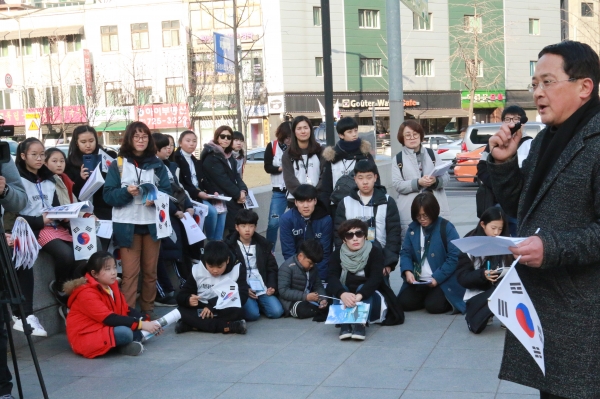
(587, 9)
(52, 97)
(4, 48)
(76, 95)
(421, 24)
(318, 66)
(110, 38)
(368, 19)
(534, 26)
(470, 67)
(423, 67)
(4, 99)
(170, 32)
(29, 98)
(112, 91)
(473, 23)
(49, 45)
(532, 65)
(174, 90)
(143, 91)
(252, 66)
(73, 43)
(370, 67)
(250, 15)
(139, 36)
(317, 16)
(25, 43)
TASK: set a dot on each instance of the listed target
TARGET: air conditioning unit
(156, 99)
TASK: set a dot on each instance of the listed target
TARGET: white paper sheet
(219, 197)
(487, 246)
(192, 230)
(168, 319)
(104, 228)
(441, 169)
(69, 211)
(251, 201)
(94, 182)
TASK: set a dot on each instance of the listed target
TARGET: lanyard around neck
(38, 185)
(248, 255)
(139, 176)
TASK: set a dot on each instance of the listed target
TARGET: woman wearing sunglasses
(221, 174)
(428, 261)
(356, 275)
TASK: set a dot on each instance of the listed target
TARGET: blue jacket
(292, 232)
(115, 195)
(442, 263)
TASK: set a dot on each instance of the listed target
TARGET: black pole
(327, 71)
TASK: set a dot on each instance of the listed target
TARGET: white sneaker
(33, 321)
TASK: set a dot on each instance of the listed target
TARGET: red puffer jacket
(89, 306)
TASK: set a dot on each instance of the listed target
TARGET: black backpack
(343, 186)
(399, 159)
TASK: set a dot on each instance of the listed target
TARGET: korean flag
(511, 304)
(228, 295)
(84, 237)
(163, 221)
(200, 212)
(105, 161)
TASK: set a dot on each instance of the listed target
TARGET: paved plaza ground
(429, 356)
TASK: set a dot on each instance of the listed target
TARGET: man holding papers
(558, 191)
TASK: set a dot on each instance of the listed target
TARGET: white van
(479, 134)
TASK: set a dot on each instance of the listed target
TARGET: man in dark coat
(558, 191)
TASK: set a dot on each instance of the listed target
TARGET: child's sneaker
(236, 327)
(359, 332)
(346, 331)
(167, 300)
(131, 349)
(33, 321)
(60, 296)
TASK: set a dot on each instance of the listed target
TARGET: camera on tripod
(5, 131)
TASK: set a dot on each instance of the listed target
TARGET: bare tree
(480, 38)
(583, 22)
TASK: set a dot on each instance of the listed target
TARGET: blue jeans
(374, 300)
(214, 223)
(268, 304)
(123, 335)
(278, 206)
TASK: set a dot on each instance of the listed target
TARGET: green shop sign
(484, 99)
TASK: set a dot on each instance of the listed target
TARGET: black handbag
(478, 311)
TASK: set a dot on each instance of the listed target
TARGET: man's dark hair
(312, 249)
(579, 61)
(429, 203)
(246, 216)
(160, 141)
(513, 110)
(365, 166)
(305, 192)
(215, 253)
(350, 224)
(344, 124)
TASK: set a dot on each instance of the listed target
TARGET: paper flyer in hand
(251, 201)
(148, 191)
(219, 197)
(94, 182)
(84, 237)
(168, 319)
(26, 247)
(69, 211)
(513, 307)
(104, 228)
(441, 169)
(106, 160)
(163, 220)
(192, 230)
(227, 293)
(340, 314)
(487, 245)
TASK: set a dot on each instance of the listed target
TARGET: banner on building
(224, 53)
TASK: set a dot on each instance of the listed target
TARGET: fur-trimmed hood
(71, 285)
(336, 153)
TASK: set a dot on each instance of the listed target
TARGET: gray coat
(292, 283)
(406, 184)
(566, 289)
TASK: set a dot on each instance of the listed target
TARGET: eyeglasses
(350, 234)
(225, 136)
(36, 156)
(422, 216)
(140, 138)
(514, 119)
(412, 136)
(546, 83)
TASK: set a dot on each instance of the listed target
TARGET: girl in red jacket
(99, 318)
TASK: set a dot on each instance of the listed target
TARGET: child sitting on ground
(99, 318)
(203, 305)
(300, 287)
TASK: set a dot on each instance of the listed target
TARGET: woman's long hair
(313, 146)
(493, 214)
(75, 155)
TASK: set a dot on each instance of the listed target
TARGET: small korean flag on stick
(84, 237)
(511, 304)
(163, 221)
(105, 161)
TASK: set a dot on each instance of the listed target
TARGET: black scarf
(555, 141)
(349, 146)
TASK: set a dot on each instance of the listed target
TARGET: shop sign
(378, 103)
(89, 76)
(276, 104)
(112, 114)
(164, 116)
(484, 99)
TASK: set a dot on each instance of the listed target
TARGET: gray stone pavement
(429, 356)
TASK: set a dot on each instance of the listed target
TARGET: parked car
(479, 134)
(64, 148)
(466, 165)
(256, 155)
(433, 141)
(448, 152)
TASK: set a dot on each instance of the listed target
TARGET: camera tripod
(10, 295)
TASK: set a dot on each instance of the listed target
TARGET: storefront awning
(44, 32)
(117, 126)
(2, 34)
(309, 115)
(13, 35)
(439, 113)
